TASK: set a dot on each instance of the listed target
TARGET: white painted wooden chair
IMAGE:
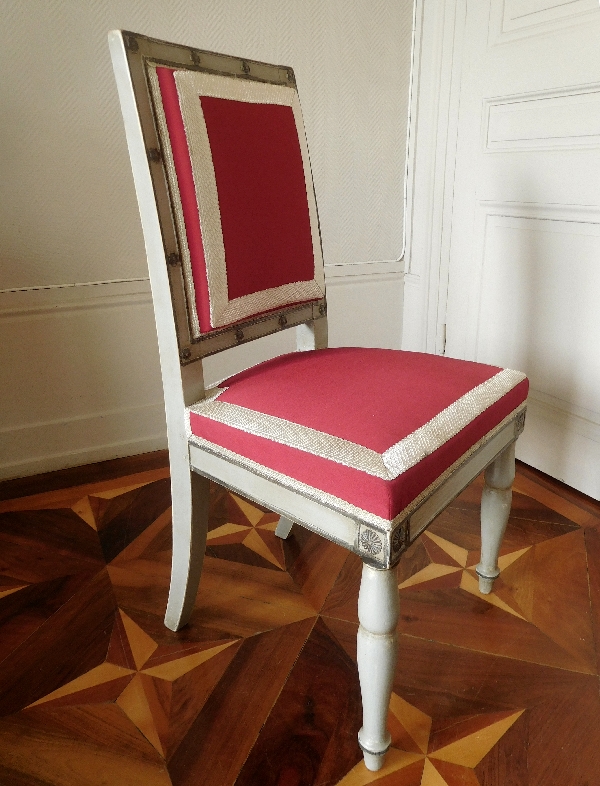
(363, 446)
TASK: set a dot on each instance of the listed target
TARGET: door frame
(433, 132)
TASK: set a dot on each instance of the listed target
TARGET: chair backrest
(230, 174)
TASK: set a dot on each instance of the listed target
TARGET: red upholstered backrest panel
(262, 206)
(262, 194)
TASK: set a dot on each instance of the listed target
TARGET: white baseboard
(81, 381)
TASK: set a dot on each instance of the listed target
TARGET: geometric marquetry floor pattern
(261, 687)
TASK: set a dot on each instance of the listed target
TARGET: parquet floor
(261, 687)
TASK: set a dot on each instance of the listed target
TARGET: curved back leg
(377, 649)
(190, 493)
(284, 527)
(495, 510)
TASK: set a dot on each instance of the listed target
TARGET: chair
(363, 446)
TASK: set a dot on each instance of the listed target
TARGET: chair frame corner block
(193, 464)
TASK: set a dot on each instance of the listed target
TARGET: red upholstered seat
(371, 427)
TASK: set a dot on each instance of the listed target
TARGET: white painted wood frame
(194, 463)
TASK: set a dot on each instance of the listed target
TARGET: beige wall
(77, 342)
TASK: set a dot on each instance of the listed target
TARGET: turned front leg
(376, 654)
(495, 509)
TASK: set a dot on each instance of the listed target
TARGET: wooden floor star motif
(145, 681)
(261, 686)
(454, 566)
(438, 584)
(91, 507)
(427, 754)
(249, 526)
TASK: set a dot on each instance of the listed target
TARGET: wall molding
(383, 266)
(37, 301)
(74, 285)
(539, 110)
(553, 211)
(505, 26)
(31, 301)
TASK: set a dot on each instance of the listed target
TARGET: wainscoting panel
(538, 312)
(365, 309)
(81, 380)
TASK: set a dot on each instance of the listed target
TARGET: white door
(520, 285)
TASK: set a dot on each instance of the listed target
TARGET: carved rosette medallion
(398, 538)
(370, 542)
(520, 422)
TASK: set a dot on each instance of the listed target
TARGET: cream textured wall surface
(77, 342)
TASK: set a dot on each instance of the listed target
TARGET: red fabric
(357, 394)
(372, 397)
(262, 194)
(187, 192)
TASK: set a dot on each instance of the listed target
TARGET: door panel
(523, 280)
